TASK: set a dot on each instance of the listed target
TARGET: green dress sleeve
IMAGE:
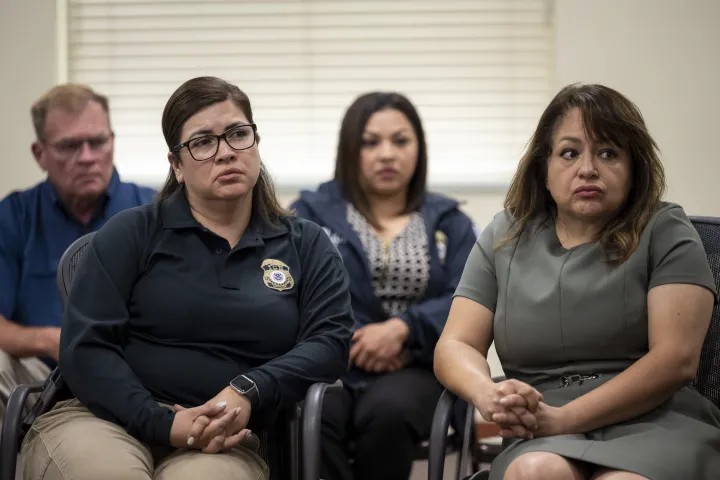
(479, 282)
(677, 254)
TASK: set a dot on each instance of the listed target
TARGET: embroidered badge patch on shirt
(276, 275)
(441, 241)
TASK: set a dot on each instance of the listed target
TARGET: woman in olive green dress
(598, 296)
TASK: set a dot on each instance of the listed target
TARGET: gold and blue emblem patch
(276, 275)
(441, 242)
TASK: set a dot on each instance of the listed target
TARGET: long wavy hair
(607, 116)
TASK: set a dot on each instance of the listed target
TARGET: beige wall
(28, 53)
(665, 56)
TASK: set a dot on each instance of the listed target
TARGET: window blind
(479, 72)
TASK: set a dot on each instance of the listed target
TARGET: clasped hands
(378, 347)
(518, 409)
(216, 426)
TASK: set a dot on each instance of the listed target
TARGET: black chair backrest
(55, 389)
(69, 263)
(707, 380)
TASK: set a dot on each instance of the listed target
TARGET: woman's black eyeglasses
(206, 146)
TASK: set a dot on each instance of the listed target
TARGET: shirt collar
(176, 215)
(114, 183)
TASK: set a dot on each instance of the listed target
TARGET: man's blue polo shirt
(35, 231)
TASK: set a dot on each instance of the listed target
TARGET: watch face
(243, 384)
(246, 387)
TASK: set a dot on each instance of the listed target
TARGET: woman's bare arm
(461, 351)
(679, 316)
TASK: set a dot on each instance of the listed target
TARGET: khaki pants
(70, 443)
(14, 372)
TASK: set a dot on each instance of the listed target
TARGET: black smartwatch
(246, 387)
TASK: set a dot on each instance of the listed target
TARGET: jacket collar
(327, 201)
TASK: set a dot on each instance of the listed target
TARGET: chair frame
(438, 435)
(305, 437)
(441, 419)
(440, 444)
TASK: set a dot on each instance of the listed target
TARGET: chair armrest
(438, 435)
(48, 397)
(466, 451)
(312, 426)
(10, 436)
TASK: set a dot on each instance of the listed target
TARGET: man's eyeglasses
(205, 147)
(70, 146)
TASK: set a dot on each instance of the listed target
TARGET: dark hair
(347, 161)
(198, 94)
(607, 116)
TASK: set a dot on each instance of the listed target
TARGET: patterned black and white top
(401, 266)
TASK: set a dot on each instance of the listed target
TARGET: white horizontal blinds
(478, 71)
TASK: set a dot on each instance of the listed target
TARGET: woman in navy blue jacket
(405, 250)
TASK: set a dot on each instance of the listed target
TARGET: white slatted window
(479, 72)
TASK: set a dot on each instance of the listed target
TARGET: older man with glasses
(74, 146)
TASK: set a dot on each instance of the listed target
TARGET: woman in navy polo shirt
(194, 319)
(405, 250)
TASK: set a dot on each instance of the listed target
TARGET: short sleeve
(677, 254)
(478, 281)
